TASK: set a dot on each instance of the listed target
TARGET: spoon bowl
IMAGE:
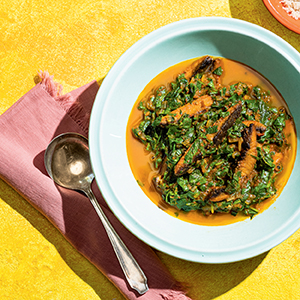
(67, 162)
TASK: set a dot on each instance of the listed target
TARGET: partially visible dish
(276, 8)
(292, 7)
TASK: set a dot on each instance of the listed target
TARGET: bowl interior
(229, 38)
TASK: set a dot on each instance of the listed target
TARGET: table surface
(79, 41)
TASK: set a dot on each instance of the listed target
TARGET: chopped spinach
(208, 168)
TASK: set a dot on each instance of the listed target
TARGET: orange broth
(139, 158)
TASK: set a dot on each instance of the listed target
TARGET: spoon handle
(133, 273)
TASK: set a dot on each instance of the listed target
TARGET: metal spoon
(67, 162)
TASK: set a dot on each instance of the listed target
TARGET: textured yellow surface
(78, 41)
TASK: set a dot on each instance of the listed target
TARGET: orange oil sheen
(139, 158)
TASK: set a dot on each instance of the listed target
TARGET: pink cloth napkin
(26, 128)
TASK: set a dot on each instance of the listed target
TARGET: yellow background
(78, 41)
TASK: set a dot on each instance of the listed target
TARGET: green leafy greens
(212, 169)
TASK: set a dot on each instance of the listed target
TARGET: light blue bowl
(169, 45)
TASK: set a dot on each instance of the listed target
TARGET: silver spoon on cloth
(67, 162)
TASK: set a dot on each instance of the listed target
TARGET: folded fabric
(26, 129)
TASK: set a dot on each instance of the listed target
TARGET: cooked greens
(214, 145)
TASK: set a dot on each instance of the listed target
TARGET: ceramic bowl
(230, 38)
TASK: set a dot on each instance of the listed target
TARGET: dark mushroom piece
(227, 122)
